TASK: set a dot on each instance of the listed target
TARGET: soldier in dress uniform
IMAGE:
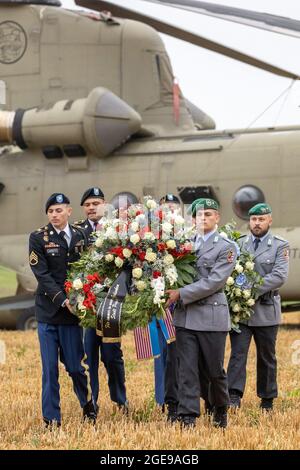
(271, 258)
(51, 249)
(165, 366)
(93, 203)
(202, 319)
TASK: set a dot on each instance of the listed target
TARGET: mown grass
(145, 427)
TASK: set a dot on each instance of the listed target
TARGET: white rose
(171, 244)
(246, 294)
(127, 253)
(134, 226)
(119, 262)
(99, 242)
(238, 292)
(150, 256)
(109, 258)
(179, 220)
(236, 308)
(141, 285)
(168, 259)
(167, 227)
(111, 233)
(230, 281)
(223, 235)
(77, 284)
(239, 268)
(135, 238)
(250, 302)
(249, 265)
(151, 204)
(149, 236)
(137, 273)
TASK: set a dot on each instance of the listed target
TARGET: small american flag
(169, 325)
(142, 343)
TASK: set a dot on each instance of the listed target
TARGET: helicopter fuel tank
(98, 124)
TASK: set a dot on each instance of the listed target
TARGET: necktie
(256, 243)
(95, 226)
(63, 236)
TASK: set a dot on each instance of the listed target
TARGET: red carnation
(156, 274)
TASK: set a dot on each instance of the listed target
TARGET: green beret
(203, 203)
(260, 209)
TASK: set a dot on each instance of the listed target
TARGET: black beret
(91, 192)
(56, 198)
(169, 198)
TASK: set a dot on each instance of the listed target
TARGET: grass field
(145, 427)
(8, 282)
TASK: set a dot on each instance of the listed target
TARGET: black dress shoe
(51, 424)
(220, 417)
(124, 407)
(234, 399)
(187, 421)
(266, 404)
(208, 408)
(89, 412)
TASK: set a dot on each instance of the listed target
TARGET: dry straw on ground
(145, 428)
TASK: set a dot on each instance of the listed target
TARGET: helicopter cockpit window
(188, 194)
(2, 93)
(124, 200)
(245, 198)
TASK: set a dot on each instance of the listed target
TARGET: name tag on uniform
(52, 251)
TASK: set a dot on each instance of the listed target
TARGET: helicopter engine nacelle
(98, 124)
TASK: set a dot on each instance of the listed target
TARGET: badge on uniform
(230, 256)
(33, 259)
(286, 253)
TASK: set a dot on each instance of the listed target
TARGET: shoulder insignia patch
(230, 256)
(33, 259)
(286, 253)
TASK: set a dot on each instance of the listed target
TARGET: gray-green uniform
(202, 321)
(271, 258)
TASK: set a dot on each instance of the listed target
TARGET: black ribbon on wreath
(110, 311)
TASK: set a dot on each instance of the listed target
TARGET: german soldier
(271, 258)
(202, 319)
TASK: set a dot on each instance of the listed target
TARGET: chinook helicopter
(89, 98)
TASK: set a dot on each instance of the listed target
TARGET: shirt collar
(206, 236)
(92, 224)
(67, 231)
(262, 238)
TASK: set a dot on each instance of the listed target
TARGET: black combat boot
(89, 412)
(266, 404)
(187, 421)
(208, 408)
(235, 399)
(172, 414)
(220, 417)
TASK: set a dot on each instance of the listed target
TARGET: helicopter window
(245, 198)
(124, 199)
(51, 152)
(188, 194)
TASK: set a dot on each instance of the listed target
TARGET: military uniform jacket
(49, 258)
(203, 305)
(86, 226)
(271, 261)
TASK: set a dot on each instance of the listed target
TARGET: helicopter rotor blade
(254, 19)
(170, 29)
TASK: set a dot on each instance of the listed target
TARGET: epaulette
(242, 236)
(280, 238)
(42, 229)
(79, 222)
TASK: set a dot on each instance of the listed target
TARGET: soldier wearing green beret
(202, 320)
(271, 258)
